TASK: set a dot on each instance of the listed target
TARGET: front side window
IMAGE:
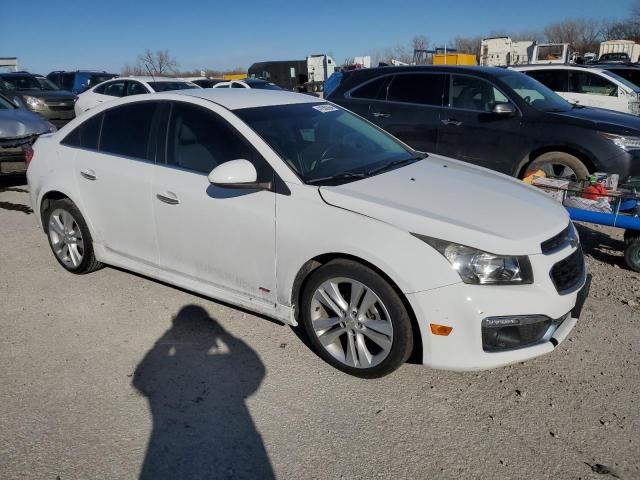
(237, 85)
(423, 89)
(114, 89)
(126, 130)
(319, 140)
(556, 80)
(86, 135)
(471, 93)
(199, 140)
(591, 84)
(68, 80)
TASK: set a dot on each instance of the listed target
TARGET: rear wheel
(632, 249)
(560, 165)
(69, 237)
(355, 320)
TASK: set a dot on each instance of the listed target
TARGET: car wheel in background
(560, 165)
(69, 237)
(355, 320)
(632, 249)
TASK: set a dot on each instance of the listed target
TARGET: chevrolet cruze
(297, 209)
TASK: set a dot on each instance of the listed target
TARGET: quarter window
(472, 93)
(424, 89)
(591, 84)
(86, 135)
(200, 140)
(115, 89)
(127, 129)
(556, 80)
(135, 88)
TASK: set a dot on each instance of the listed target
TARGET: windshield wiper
(339, 176)
(394, 163)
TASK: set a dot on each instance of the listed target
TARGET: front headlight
(33, 102)
(625, 142)
(482, 268)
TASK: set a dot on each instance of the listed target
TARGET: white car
(588, 86)
(302, 211)
(126, 86)
(248, 83)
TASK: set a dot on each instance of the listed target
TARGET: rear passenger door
(470, 131)
(411, 110)
(114, 165)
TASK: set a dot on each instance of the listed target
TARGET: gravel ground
(115, 376)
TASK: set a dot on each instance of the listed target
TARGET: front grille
(567, 273)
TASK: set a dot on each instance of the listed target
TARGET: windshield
(166, 86)
(630, 85)
(614, 57)
(320, 141)
(535, 94)
(263, 85)
(631, 74)
(6, 104)
(27, 82)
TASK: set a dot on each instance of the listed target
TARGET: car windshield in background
(28, 82)
(629, 84)
(6, 104)
(535, 94)
(325, 144)
(262, 85)
(166, 86)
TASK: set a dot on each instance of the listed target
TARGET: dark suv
(80, 80)
(496, 118)
(36, 93)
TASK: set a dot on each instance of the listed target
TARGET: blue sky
(106, 34)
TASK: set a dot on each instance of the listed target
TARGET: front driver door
(469, 131)
(224, 237)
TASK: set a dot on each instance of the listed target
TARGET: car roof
(235, 99)
(143, 78)
(548, 66)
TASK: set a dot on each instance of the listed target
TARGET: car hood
(17, 123)
(454, 201)
(605, 120)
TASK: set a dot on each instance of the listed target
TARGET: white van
(588, 86)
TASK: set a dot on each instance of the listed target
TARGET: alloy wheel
(66, 238)
(351, 322)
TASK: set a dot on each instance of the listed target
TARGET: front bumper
(463, 307)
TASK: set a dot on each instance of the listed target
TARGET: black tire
(632, 249)
(544, 162)
(402, 334)
(88, 263)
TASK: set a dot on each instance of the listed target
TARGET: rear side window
(424, 89)
(556, 80)
(374, 90)
(126, 130)
(591, 84)
(67, 81)
(86, 135)
(200, 140)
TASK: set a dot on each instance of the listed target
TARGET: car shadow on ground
(600, 245)
(196, 379)
(14, 183)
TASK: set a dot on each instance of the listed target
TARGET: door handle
(381, 114)
(168, 198)
(451, 121)
(88, 174)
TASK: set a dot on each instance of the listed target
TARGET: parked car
(36, 93)
(248, 83)
(299, 210)
(19, 128)
(80, 80)
(588, 86)
(497, 118)
(204, 82)
(127, 86)
(630, 73)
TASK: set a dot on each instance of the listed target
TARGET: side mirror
(237, 174)
(504, 109)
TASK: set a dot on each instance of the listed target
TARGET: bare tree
(468, 44)
(420, 42)
(584, 35)
(159, 62)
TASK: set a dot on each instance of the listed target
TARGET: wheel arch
(58, 194)
(580, 154)
(314, 263)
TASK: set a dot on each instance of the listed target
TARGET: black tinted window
(376, 89)
(199, 140)
(68, 80)
(126, 130)
(425, 89)
(556, 80)
(115, 89)
(86, 135)
(135, 88)
(471, 93)
(631, 74)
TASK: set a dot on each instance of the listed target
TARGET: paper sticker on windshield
(325, 108)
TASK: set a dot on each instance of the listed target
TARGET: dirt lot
(115, 376)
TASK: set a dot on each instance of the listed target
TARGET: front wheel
(560, 165)
(355, 320)
(69, 237)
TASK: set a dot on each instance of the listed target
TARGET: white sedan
(248, 83)
(302, 211)
(126, 86)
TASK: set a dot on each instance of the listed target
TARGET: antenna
(146, 65)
